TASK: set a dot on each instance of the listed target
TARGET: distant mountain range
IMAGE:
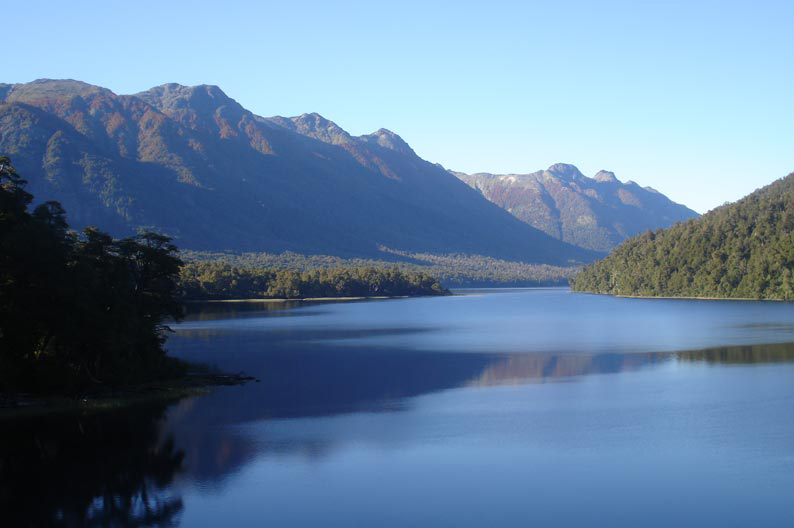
(740, 250)
(595, 213)
(193, 163)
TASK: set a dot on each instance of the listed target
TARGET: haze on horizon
(691, 98)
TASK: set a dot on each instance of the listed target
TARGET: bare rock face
(596, 213)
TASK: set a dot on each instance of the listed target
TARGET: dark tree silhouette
(76, 311)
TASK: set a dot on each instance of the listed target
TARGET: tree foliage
(740, 250)
(452, 270)
(78, 310)
(217, 280)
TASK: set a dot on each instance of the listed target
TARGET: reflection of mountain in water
(303, 382)
(533, 367)
(120, 468)
(98, 469)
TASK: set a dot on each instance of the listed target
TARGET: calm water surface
(529, 407)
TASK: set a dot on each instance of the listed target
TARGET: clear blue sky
(693, 98)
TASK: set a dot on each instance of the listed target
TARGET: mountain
(739, 250)
(196, 165)
(595, 213)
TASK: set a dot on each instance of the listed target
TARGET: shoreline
(452, 293)
(302, 299)
(681, 297)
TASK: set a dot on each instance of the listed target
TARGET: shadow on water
(126, 467)
(97, 469)
(304, 382)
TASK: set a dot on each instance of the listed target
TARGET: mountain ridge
(595, 213)
(197, 165)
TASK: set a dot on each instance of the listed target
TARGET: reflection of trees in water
(775, 353)
(118, 469)
(210, 311)
(303, 382)
(98, 469)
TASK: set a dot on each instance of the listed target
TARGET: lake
(493, 408)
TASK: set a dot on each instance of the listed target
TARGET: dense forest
(739, 250)
(217, 280)
(453, 271)
(79, 311)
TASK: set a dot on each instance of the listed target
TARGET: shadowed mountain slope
(193, 163)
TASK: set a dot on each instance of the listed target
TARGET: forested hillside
(739, 250)
(452, 271)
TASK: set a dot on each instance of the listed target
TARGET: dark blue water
(535, 407)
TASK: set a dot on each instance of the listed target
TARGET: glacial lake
(503, 408)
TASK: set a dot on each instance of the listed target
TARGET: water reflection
(218, 310)
(126, 468)
(93, 469)
(208, 311)
(739, 355)
(336, 380)
(303, 382)
(532, 367)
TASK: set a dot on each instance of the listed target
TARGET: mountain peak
(314, 121)
(565, 170)
(173, 96)
(52, 89)
(388, 139)
(316, 126)
(595, 213)
(606, 176)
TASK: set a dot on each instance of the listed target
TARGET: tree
(76, 311)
